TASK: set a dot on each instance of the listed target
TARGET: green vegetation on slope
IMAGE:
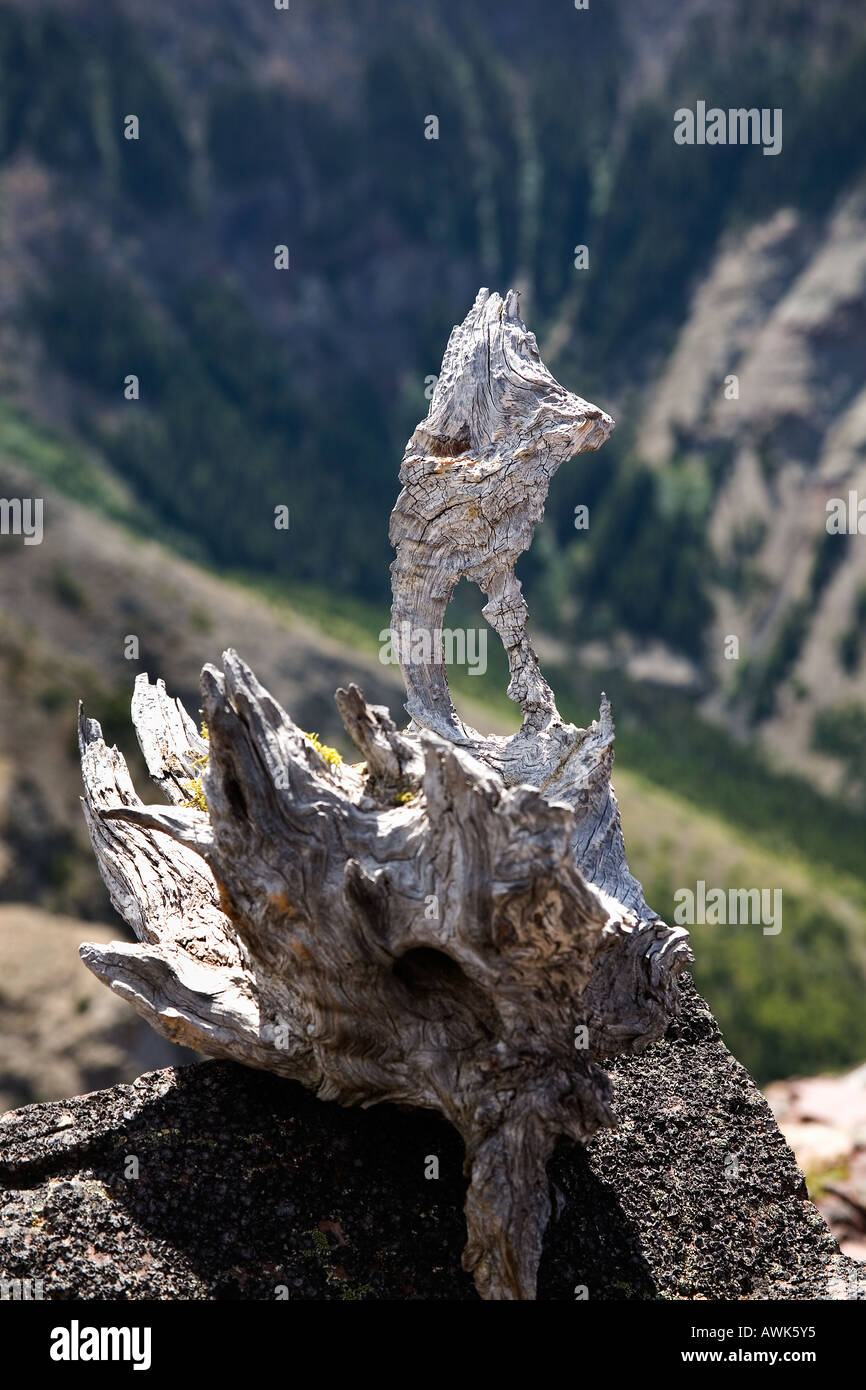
(300, 391)
(269, 404)
(695, 805)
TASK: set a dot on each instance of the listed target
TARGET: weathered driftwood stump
(451, 923)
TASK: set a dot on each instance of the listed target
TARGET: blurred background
(718, 312)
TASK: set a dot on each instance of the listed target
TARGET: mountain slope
(784, 310)
(260, 388)
(70, 607)
(788, 1001)
(257, 388)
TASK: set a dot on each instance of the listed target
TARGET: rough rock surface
(248, 1183)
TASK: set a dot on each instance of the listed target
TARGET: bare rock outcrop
(247, 1187)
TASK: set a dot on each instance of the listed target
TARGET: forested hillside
(155, 257)
(255, 387)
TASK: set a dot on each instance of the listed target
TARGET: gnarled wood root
(451, 924)
(412, 929)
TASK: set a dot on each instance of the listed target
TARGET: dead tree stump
(451, 922)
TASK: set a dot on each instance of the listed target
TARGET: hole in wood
(441, 448)
(441, 990)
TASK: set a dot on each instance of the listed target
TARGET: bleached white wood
(436, 925)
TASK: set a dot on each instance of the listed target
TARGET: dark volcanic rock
(250, 1188)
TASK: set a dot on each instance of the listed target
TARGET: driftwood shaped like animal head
(441, 925)
(475, 476)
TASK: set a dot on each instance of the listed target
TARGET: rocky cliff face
(767, 378)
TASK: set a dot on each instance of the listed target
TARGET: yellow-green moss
(195, 794)
(195, 790)
(194, 787)
(331, 756)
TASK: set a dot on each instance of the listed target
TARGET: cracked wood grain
(451, 922)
